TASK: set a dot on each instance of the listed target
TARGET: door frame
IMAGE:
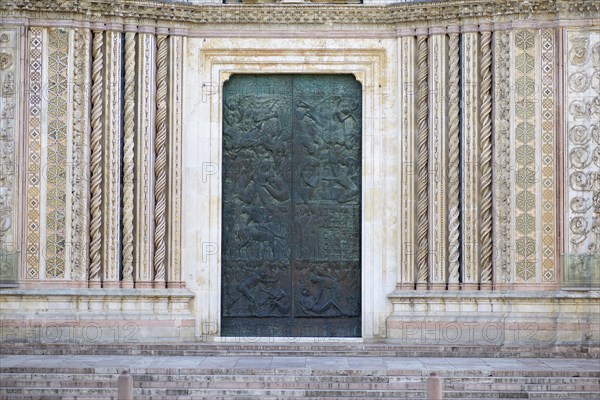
(208, 64)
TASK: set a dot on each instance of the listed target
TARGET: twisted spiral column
(422, 163)
(486, 160)
(454, 162)
(128, 159)
(96, 161)
(160, 167)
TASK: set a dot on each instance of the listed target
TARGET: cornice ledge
(161, 13)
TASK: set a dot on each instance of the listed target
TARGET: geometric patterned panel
(548, 159)
(525, 155)
(34, 152)
(56, 168)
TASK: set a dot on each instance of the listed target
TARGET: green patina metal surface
(291, 205)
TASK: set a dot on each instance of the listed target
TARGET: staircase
(247, 373)
(291, 383)
(178, 371)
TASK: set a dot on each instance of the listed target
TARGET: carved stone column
(128, 156)
(144, 149)
(160, 162)
(485, 98)
(453, 159)
(96, 161)
(422, 159)
(470, 156)
(112, 160)
(407, 123)
(438, 163)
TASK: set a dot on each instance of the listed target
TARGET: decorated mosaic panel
(34, 156)
(524, 154)
(582, 157)
(56, 163)
(547, 182)
(54, 180)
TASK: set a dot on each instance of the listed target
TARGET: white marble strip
(112, 160)
(174, 275)
(438, 163)
(69, 184)
(407, 124)
(144, 150)
(43, 157)
(503, 196)
(81, 136)
(470, 158)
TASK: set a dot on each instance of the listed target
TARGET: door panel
(291, 205)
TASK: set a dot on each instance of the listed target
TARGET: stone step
(266, 387)
(303, 372)
(77, 394)
(114, 397)
(271, 381)
(297, 349)
(449, 386)
(140, 394)
(179, 378)
(291, 375)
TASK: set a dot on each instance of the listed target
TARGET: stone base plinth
(495, 318)
(89, 316)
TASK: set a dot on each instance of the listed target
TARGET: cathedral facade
(419, 172)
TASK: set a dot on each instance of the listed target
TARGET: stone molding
(182, 15)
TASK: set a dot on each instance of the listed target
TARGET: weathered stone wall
(480, 164)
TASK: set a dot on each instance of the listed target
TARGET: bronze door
(291, 230)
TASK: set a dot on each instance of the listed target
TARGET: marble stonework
(480, 165)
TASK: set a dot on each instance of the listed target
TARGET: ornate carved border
(202, 189)
(388, 14)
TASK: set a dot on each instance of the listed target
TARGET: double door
(291, 206)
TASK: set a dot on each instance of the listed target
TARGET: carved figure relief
(291, 204)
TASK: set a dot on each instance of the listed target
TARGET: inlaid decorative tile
(35, 42)
(525, 157)
(549, 151)
(58, 47)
